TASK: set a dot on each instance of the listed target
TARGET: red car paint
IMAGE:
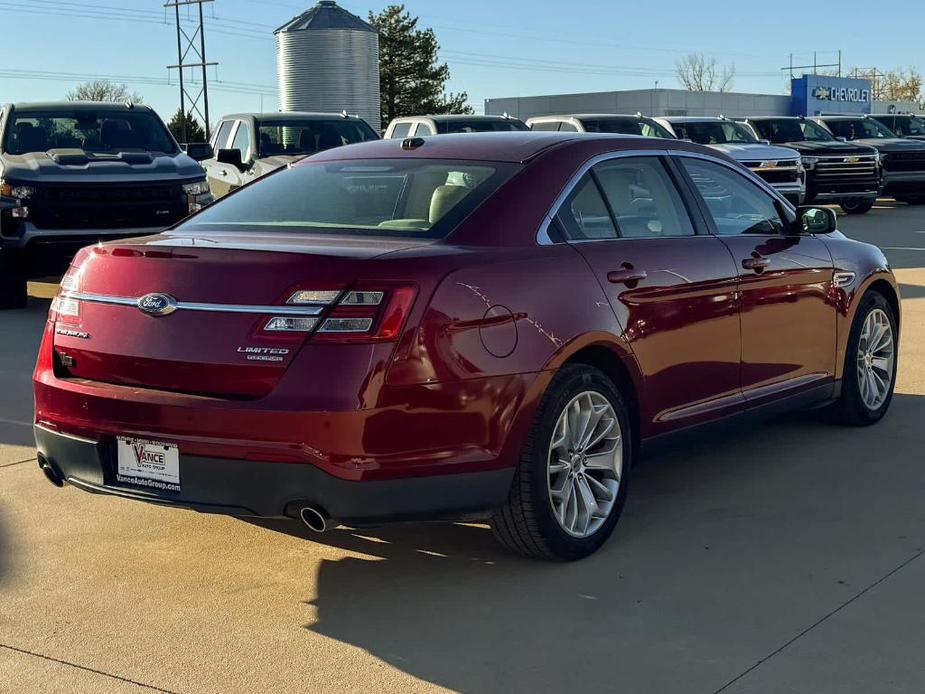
(495, 313)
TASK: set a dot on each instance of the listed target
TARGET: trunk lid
(227, 286)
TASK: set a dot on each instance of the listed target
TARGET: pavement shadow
(20, 335)
(727, 548)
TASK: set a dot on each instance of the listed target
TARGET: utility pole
(191, 54)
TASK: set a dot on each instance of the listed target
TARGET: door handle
(626, 275)
(757, 262)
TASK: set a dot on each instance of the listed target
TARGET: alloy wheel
(585, 464)
(876, 355)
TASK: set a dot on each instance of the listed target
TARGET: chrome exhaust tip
(315, 518)
(51, 472)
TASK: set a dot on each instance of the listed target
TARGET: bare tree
(103, 90)
(900, 85)
(697, 73)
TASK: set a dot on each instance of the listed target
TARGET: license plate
(151, 464)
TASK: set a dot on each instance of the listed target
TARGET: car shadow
(727, 548)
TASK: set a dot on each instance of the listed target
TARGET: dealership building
(810, 95)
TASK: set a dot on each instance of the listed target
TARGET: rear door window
(545, 126)
(643, 197)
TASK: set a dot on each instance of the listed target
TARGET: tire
(527, 523)
(856, 206)
(13, 292)
(855, 406)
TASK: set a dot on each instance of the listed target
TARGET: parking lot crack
(52, 659)
(821, 620)
(19, 462)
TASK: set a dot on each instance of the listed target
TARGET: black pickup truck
(841, 172)
(902, 160)
(81, 172)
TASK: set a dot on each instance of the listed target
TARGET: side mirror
(8, 203)
(816, 220)
(200, 151)
(842, 139)
(765, 142)
(231, 157)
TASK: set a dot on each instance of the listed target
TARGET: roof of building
(327, 14)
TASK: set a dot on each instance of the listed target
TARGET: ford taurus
(462, 327)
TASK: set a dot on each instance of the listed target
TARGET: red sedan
(477, 326)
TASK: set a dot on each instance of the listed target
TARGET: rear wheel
(12, 283)
(570, 486)
(869, 375)
(856, 205)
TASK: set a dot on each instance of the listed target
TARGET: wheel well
(885, 289)
(609, 362)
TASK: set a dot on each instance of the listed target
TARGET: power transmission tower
(191, 56)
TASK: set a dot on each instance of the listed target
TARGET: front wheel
(869, 376)
(856, 205)
(570, 485)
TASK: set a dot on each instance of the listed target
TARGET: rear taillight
(64, 307)
(367, 314)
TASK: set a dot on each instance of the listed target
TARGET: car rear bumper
(275, 490)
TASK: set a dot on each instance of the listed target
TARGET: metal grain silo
(328, 60)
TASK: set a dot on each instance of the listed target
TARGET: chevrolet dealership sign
(816, 94)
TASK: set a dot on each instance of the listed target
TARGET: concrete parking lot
(784, 558)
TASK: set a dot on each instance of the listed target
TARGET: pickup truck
(83, 172)
(248, 146)
(846, 173)
(780, 167)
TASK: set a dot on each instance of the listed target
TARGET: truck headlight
(13, 190)
(196, 187)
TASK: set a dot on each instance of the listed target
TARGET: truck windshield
(377, 197)
(626, 126)
(713, 132)
(785, 130)
(859, 128)
(96, 131)
(295, 137)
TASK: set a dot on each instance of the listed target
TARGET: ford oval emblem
(157, 304)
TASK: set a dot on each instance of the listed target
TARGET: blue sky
(531, 47)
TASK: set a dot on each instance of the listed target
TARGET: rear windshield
(860, 128)
(713, 132)
(378, 197)
(785, 130)
(103, 131)
(479, 126)
(625, 126)
(293, 137)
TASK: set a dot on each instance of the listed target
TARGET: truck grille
(107, 206)
(785, 171)
(845, 174)
(904, 161)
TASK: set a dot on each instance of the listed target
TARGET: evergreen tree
(410, 77)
